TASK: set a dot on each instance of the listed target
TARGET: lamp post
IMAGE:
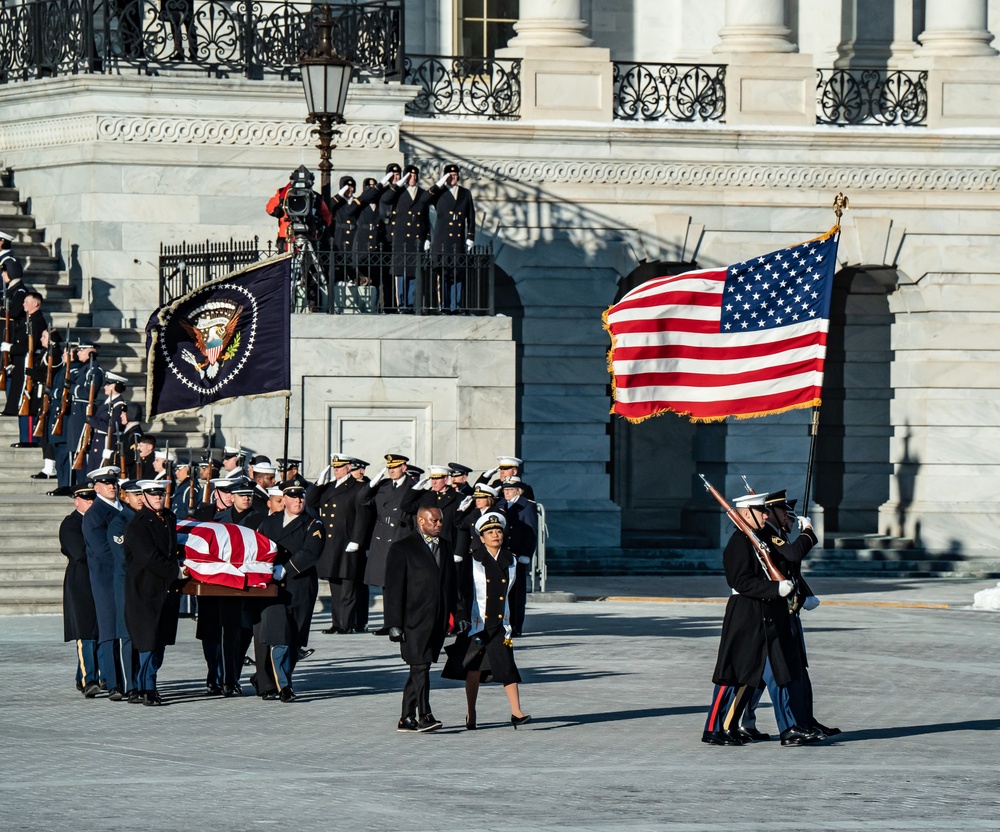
(325, 79)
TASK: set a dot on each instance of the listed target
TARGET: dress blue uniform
(101, 564)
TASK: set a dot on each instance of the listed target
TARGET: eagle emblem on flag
(212, 328)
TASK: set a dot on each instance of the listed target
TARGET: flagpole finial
(840, 204)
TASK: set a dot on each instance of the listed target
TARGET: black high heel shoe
(519, 720)
(470, 726)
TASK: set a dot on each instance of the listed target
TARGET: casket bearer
(152, 568)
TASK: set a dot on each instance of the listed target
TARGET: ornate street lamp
(325, 79)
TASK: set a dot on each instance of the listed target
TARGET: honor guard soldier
(232, 462)
(110, 426)
(404, 207)
(522, 540)
(130, 496)
(459, 479)
(85, 394)
(279, 633)
(102, 568)
(336, 500)
(482, 501)
(14, 289)
(263, 474)
(6, 248)
(152, 570)
(180, 504)
(507, 467)
(288, 471)
(146, 445)
(345, 214)
(454, 233)
(438, 495)
(370, 243)
(79, 613)
(26, 352)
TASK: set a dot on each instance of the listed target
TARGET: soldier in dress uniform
(459, 479)
(152, 569)
(439, 495)
(79, 613)
(279, 634)
(264, 475)
(86, 374)
(386, 494)
(507, 467)
(130, 496)
(232, 462)
(361, 607)
(180, 502)
(454, 233)
(336, 500)
(146, 445)
(110, 425)
(522, 540)
(370, 243)
(26, 348)
(404, 206)
(288, 471)
(275, 501)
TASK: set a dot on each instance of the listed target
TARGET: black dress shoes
(91, 690)
(213, 690)
(232, 690)
(247, 661)
(830, 732)
(381, 631)
(269, 696)
(115, 695)
(754, 734)
(305, 654)
(799, 736)
(79, 686)
(25, 445)
(41, 475)
(428, 723)
(331, 631)
(407, 725)
(135, 697)
(718, 738)
(152, 698)
(287, 694)
(61, 491)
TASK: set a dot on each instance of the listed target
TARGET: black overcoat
(447, 501)
(419, 596)
(300, 546)
(79, 613)
(406, 223)
(392, 522)
(371, 226)
(757, 623)
(455, 220)
(346, 519)
(151, 570)
(101, 565)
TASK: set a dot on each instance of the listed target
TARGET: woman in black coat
(485, 652)
(151, 569)
(79, 613)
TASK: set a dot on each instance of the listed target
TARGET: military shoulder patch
(777, 541)
(119, 540)
(317, 533)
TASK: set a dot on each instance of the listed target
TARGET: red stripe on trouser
(715, 708)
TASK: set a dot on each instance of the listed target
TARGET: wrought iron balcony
(669, 92)
(217, 38)
(871, 96)
(455, 86)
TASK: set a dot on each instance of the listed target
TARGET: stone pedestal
(564, 84)
(770, 88)
(963, 92)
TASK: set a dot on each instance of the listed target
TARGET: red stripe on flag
(732, 407)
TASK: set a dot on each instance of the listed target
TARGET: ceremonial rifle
(169, 470)
(796, 598)
(760, 548)
(64, 401)
(208, 477)
(6, 338)
(88, 430)
(43, 417)
(29, 364)
(191, 485)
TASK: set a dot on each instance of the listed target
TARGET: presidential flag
(748, 340)
(226, 554)
(228, 338)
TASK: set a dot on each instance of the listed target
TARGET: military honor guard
(288, 471)
(85, 397)
(130, 496)
(404, 207)
(420, 600)
(111, 431)
(454, 233)
(152, 569)
(79, 613)
(26, 353)
(522, 540)
(459, 479)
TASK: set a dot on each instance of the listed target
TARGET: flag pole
(288, 400)
(840, 204)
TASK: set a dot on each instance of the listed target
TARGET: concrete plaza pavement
(617, 690)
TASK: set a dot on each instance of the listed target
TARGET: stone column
(755, 26)
(766, 82)
(903, 44)
(956, 29)
(562, 75)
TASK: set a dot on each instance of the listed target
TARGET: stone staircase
(30, 558)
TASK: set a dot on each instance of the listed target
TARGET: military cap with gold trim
(85, 491)
(436, 472)
(491, 520)
(395, 460)
(484, 490)
(339, 460)
(292, 488)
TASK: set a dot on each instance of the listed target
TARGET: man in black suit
(454, 234)
(420, 596)
(336, 500)
(283, 625)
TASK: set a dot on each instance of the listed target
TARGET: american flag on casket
(226, 554)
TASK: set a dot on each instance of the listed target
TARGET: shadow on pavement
(571, 721)
(918, 730)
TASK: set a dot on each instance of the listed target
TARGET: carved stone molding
(247, 133)
(49, 132)
(736, 175)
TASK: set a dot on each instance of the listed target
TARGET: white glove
(343, 191)
(351, 547)
(5, 346)
(180, 573)
(810, 603)
(324, 475)
(785, 588)
(469, 244)
(804, 523)
(422, 484)
(379, 476)
(443, 181)
(427, 245)
(489, 474)
(462, 506)
(106, 454)
(386, 179)
(278, 573)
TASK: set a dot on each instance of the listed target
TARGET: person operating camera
(299, 209)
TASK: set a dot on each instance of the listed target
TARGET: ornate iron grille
(217, 38)
(457, 86)
(184, 266)
(871, 96)
(669, 92)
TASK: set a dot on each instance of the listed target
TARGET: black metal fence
(871, 96)
(669, 92)
(337, 282)
(456, 86)
(217, 38)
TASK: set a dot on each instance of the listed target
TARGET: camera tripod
(309, 283)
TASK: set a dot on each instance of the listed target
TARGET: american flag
(747, 340)
(226, 554)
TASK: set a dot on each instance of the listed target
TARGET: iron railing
(871, 96)
(669, 92)
(217, 38)
(456, 86)
(336, 282)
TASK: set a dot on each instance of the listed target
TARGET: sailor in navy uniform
(507, 467)
(459, 479)
(288, 470)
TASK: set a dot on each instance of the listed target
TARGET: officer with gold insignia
(404, 207)
(454, 233)
(336, 500)
(435, 493)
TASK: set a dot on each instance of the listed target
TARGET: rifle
(760, 548)
(43, 417)
(87, 432)
(64, 401)
(169, 470)
(191, 486)
(29, 365)
(6, 338)
(796, 598)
